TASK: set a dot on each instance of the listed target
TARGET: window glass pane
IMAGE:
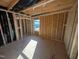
(36, 24)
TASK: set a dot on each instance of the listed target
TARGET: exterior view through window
(36, 24)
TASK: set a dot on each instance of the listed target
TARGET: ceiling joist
(12, 4)
(49, 6)
(44, 2)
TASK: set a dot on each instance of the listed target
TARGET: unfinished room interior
(38, 29)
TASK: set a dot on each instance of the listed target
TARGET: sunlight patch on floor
(29, 50)
(20, 57)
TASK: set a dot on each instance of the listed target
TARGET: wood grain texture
(50, 7)
(22, 25)
(52, 26)
(70, 32)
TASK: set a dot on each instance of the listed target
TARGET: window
(36, 24)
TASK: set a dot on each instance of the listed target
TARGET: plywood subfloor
(45, 49)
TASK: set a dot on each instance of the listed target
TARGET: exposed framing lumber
(21, 30)
(12, 4)
(20, 18)
(31, 25)
(57, 26)
(9, 27)
(24, 26)
(2, 35)
(51, 13)
(53, 6)
(15, 23)
(14, 12)
(73, 24)
(69, 32)
(47, 25)
(27, 27)
(43, 3)
(35, 5)
(74, 48)
(57, 22)
(62, 34)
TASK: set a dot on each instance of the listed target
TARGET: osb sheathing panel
(50, 7)
(53, 26)
(70, 28)
(7, 3)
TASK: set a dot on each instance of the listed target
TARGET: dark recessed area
(23, 4)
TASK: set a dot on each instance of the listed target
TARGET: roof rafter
(12, 4)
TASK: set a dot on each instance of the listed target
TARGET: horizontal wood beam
(50, 13)
(12, 4)
(52, 6)
(13, 12)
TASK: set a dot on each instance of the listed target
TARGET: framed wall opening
(36, 24)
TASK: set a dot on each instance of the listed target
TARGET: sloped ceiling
(5, 3)
(8, 4)
(17, 5)
(29, 6)
(23, 4)
(53, 6)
